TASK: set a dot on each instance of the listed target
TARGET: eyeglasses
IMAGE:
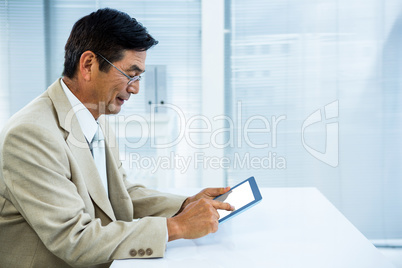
(131, 79)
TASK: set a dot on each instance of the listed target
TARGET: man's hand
(198, 218)
(208, 193)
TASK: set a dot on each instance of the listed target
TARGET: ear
(87, 65)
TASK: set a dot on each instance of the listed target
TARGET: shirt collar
(87, 122)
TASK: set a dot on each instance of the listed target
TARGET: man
(58, 206)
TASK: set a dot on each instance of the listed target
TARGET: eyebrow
(136, 69)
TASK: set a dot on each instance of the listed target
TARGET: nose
(133, 88)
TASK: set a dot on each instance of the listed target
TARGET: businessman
(64, 197)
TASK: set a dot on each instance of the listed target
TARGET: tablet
(242, 196)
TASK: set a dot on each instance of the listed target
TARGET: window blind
(22, 54)
(33, 35)
(330, 70)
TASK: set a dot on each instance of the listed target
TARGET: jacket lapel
(79, 148)
(119, 197)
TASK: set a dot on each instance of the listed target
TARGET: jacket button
(149, 251)
(141, 252)
(133, 253)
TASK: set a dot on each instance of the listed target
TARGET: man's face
(110, 90)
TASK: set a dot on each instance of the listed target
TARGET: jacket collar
(79, 147)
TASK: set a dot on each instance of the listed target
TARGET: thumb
(213, 192)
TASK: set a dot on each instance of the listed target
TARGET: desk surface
(291, 227)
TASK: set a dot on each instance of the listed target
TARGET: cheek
(113, 92)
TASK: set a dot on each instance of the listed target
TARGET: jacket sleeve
(148, 202)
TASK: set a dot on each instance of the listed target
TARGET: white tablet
(242, 196)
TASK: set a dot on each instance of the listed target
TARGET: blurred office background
(298, 93)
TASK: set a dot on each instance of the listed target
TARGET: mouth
(121, 100)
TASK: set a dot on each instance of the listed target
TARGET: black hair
(108, 32)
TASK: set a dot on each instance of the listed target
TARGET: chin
(113, 109)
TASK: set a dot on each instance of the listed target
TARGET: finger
(222, 205)
(215, 214)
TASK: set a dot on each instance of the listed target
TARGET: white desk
(291, 227)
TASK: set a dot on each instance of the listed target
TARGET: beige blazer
(53, 209)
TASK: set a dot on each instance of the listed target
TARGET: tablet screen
(237, 197)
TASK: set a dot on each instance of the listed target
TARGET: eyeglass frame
(131, 79)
